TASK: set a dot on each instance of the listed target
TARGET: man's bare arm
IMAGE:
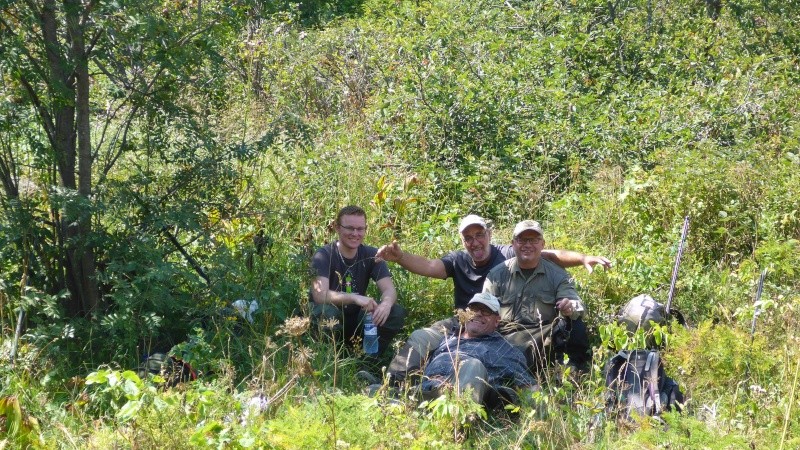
(569, 258)
(321, 293)
(388, 299)
(420, 265)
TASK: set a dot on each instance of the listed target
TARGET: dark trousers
(350, 323)
(577, 348)
(548, 343)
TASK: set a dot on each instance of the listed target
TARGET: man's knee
(579, 337)
(425, 340)
(396, 319)
(578, 347)
(472, 374)
(415, 352)
(322, 312)
(472, 368)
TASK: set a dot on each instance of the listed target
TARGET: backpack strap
(650, 377)
(616, 364)
(614, 374)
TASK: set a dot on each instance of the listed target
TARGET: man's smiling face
(528, 246)
(351, 230)
(483, 321)
(477, 242)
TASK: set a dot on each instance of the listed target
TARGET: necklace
(348, 275)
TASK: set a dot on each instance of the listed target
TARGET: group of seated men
(522, 306)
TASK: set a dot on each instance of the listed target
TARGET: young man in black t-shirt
(343, 270)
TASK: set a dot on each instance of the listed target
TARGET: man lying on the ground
(476, 358)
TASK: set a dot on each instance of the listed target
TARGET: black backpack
(637, 385)
(636, 381)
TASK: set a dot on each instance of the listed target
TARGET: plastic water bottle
(370, 335)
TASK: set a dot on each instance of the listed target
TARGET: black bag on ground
(638, 385)
(171, 368)
(636, 381)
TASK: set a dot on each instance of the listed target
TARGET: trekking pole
(756, 313)
(757, 305)
(17, 333)
(677, 265)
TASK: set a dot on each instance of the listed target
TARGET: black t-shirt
(468, 279)
(328, 262)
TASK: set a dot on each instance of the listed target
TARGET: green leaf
(99, 377)
(130, 389)
(131, 376)
(129, 410)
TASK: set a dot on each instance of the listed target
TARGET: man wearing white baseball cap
(539, 306)
(468, 267)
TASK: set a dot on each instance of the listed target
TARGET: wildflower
(329, 323)
(269, 345)
(464, 315)
(301, 360)
(355, 340)
(295, 326)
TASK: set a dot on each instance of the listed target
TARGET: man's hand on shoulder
(590, 261)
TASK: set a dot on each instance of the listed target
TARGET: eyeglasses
(476, 237)
(528, 241)
(480, 311)
(353, 229)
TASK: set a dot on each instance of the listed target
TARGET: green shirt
(529, 302)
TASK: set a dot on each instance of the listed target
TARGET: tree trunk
(85, 253)
(70, 136)
(61, 132)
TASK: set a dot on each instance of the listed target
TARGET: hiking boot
(507, 395)
(367, 377)
(373, 389)
(387, 394)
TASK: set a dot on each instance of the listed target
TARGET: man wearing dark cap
(468, 269)
(477, 358)
(539, 307)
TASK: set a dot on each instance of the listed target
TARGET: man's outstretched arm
(420, 265)
(569, 258)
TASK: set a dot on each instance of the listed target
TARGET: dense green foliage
(226, 135)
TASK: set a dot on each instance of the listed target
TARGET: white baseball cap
(528, 225)
(486, 299)
(470, 220)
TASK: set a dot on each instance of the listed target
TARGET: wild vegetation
(162, 159)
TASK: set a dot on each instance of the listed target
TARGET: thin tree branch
(192, 262)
